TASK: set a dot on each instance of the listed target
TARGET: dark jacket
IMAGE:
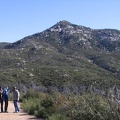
(5, 94)
(1, 94)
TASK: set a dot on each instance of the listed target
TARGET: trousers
(1, 102)
(6, 105)
(16, 106)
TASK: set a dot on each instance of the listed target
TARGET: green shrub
(47, 102)
(92, 107)
(73, 107)
(31, 94)
(57, 117)
(30, 105)
(41, 106)
(41, 112)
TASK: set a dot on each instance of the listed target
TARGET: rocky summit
(66, 57)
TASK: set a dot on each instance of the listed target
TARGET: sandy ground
(16, 116)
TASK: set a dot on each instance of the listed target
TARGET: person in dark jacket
(1, 98)
(5, 98)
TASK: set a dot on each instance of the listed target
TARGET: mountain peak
(64, 22)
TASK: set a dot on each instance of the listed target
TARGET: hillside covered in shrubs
(67, 72)
(57, 106)
(65, 57)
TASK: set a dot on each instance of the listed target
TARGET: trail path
(16, 116)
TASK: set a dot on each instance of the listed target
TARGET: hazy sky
(20, 18)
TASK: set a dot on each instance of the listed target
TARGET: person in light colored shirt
(16, 96)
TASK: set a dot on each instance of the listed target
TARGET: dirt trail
(16, 116)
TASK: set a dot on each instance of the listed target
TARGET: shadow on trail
(32, 118)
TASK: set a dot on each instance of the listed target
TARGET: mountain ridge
(63, 55)
(64, 30)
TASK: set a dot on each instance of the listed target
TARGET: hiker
(1, 98)
(16, 96)
(5, 98)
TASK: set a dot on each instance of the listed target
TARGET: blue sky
(20, 18)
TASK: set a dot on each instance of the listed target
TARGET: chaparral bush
(57, 106)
